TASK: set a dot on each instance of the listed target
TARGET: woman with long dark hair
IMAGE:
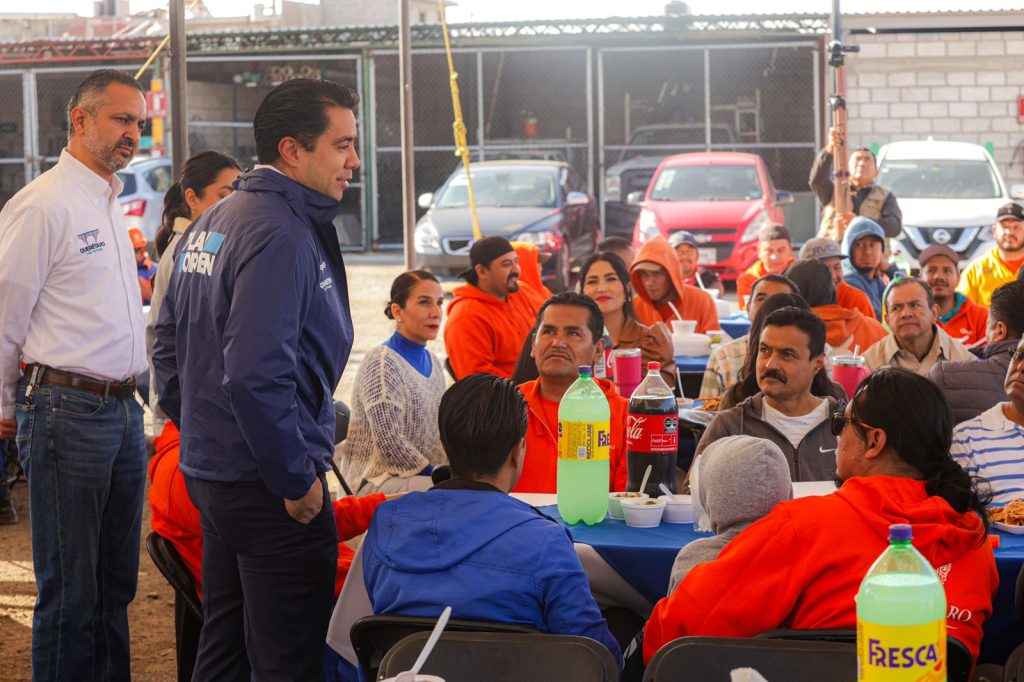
(604, 278)
(821, 385)
(206, 178)
(393, 442)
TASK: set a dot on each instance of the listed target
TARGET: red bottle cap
(656, 366)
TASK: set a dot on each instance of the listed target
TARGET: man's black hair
(1007, 306)
(95, 84)
(613, 244)
(298, 109)
(865, 149)
(804, 320)
(778, 279)
(480, 420)
(595, 319)
(918, 426)
(905, 281)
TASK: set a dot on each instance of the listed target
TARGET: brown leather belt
(48, 375)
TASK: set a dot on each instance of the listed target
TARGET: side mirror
(1017, 191)
(424, 200)
(577, 199)
(782, 198)
(635, 198)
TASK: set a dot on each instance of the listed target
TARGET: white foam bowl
(614, 510)
(679, 509)
(642, 513)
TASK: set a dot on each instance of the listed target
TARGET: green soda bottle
(901, 616)
(583, 444)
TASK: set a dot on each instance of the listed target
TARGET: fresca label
(652, 433)
(583, 440)
(901, 653)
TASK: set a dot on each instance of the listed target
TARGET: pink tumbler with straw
(627, 371)
(848, 371)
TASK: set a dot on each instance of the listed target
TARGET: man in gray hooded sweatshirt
(741, 479)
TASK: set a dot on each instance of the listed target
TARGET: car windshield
(129, 183)
(501, 188)
(939, 179)
(707, 183)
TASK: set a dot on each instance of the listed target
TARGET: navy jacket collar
(320, 208)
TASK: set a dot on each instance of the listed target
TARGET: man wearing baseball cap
(492, 314)
(774, 255)
(828, 252)
(1002, 262)
(961, 317)
(145, 264)
(685, 245)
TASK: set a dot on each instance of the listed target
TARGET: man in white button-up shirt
(70, 343)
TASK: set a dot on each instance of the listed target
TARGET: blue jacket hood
(861, 227)
(426, 532)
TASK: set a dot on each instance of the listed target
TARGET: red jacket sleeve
(353, 514)
(708, 315)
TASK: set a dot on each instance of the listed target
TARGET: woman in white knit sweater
(393, 442)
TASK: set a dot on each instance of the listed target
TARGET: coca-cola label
(652, 432)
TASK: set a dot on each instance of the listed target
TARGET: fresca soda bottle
(901, 616)
(652, 434)
(584, 441)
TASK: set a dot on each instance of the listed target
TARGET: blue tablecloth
(691, 364)
(644, 556)
(735, 326)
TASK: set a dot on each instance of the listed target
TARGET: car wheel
(563, 270)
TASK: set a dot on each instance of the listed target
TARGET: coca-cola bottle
(652, 434)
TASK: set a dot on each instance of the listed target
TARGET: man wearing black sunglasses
(800, 567)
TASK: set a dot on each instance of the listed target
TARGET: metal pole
(405, 96)
(179, 117)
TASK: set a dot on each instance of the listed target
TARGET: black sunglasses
(840, 420)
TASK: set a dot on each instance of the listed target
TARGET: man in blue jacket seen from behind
(250, 345)
(467, 544)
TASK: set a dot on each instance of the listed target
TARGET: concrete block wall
(953, 86)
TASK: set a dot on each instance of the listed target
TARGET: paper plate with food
(1010, 518)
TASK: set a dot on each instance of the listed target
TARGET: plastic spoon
(410, 675)
(668, 493)
(647, 475)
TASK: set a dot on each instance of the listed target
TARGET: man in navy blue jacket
(250, 345)
(467, 544)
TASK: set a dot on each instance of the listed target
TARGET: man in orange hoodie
(830, 253)
(661, 295)
(569, 335)
(174, 517)
(800, 567)
(961, 317)
(845, 329)
(492, 314)
(774, 255)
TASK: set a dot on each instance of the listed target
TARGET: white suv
(948, 192)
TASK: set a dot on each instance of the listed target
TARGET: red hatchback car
(722, 198)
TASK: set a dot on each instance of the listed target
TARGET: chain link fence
(516, 104)
(13, 136)
(761, 99)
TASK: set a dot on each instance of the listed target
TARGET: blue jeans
(85, 459)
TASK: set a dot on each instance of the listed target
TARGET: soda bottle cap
(900, 532)
(654, 366)
(585, 369)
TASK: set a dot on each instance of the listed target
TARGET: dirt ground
(152, 613)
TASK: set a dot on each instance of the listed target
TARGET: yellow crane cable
(459, 127)
(160, 47)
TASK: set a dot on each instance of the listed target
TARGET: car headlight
(547, 240)
(426, 239)
(755, 225)
(612, 188)
(648, 226)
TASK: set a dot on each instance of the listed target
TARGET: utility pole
(405, 98)
(179, 77)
